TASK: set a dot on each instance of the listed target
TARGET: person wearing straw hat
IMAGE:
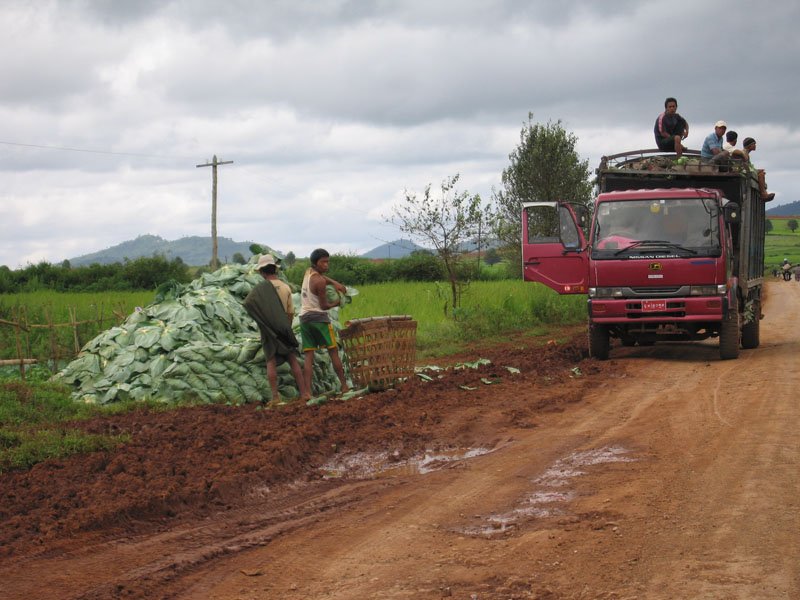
(270, 305)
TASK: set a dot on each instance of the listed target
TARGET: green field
(489, 309)
(781, 243)
(95, 312)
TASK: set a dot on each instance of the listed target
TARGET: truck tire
(599, 342)
(729, 334)
(751, 334)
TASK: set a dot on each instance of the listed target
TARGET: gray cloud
(331, 109)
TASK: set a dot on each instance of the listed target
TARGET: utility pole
(213, 164)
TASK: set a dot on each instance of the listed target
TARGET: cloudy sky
(330, 109)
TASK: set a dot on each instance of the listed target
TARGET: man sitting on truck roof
(730, 141)
(749, 145)
(671, 128)
(712, 145)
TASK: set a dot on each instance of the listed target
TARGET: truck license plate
(654, 305)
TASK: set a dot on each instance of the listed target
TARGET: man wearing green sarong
(267, 304)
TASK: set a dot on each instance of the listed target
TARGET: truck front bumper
(657, 310)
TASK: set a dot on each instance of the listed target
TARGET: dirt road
(662, 473)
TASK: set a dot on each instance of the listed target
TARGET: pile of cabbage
(194, 341)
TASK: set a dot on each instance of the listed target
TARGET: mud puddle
(548, 499)
(388, 464)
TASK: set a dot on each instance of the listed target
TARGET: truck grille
(657, 291)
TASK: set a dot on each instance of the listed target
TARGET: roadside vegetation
(782, 241)
(37, 422)
(139, 274)
(488, 310)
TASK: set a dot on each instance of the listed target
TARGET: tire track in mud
(126, 566)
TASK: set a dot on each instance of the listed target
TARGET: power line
(68, 149)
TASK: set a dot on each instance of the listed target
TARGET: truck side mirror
(731, 213)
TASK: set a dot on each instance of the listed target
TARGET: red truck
(673, 251)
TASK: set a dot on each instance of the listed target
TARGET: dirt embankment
(662, 473)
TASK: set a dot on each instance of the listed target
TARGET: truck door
(554, 246)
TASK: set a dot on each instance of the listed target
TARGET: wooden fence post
(73, 315)
(18, 342)
(52, 330)
(25, 325)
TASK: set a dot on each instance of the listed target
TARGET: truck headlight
(706, 290)
(605, 292)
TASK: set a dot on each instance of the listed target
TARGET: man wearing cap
(749, 145)
(712, 145)
(270, 304)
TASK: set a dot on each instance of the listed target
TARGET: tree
(238, 258)
(768, 226)
(792, 225)
(444, 222)
(544, 167)
(256, 249)
(289, 259)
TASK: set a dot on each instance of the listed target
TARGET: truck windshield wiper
(655, 244)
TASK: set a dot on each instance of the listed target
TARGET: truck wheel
(751, 335)
(599, 342)
(729, 334)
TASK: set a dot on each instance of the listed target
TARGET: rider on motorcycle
(786, 267)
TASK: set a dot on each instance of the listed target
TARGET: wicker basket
(380, 350)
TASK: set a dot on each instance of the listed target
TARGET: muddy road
(661, 473)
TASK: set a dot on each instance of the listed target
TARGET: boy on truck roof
(671, 128)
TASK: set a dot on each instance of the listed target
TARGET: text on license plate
(654, 305)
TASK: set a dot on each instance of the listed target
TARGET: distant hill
(785, 210)
(194, 251)
(402, 248)
(396, 249)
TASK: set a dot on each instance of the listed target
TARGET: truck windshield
(674, 226)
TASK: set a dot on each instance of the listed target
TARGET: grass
(34, 422)
(781, 243)
(54, 307)
(489, 309)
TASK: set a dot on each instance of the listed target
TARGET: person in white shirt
(730, 141)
